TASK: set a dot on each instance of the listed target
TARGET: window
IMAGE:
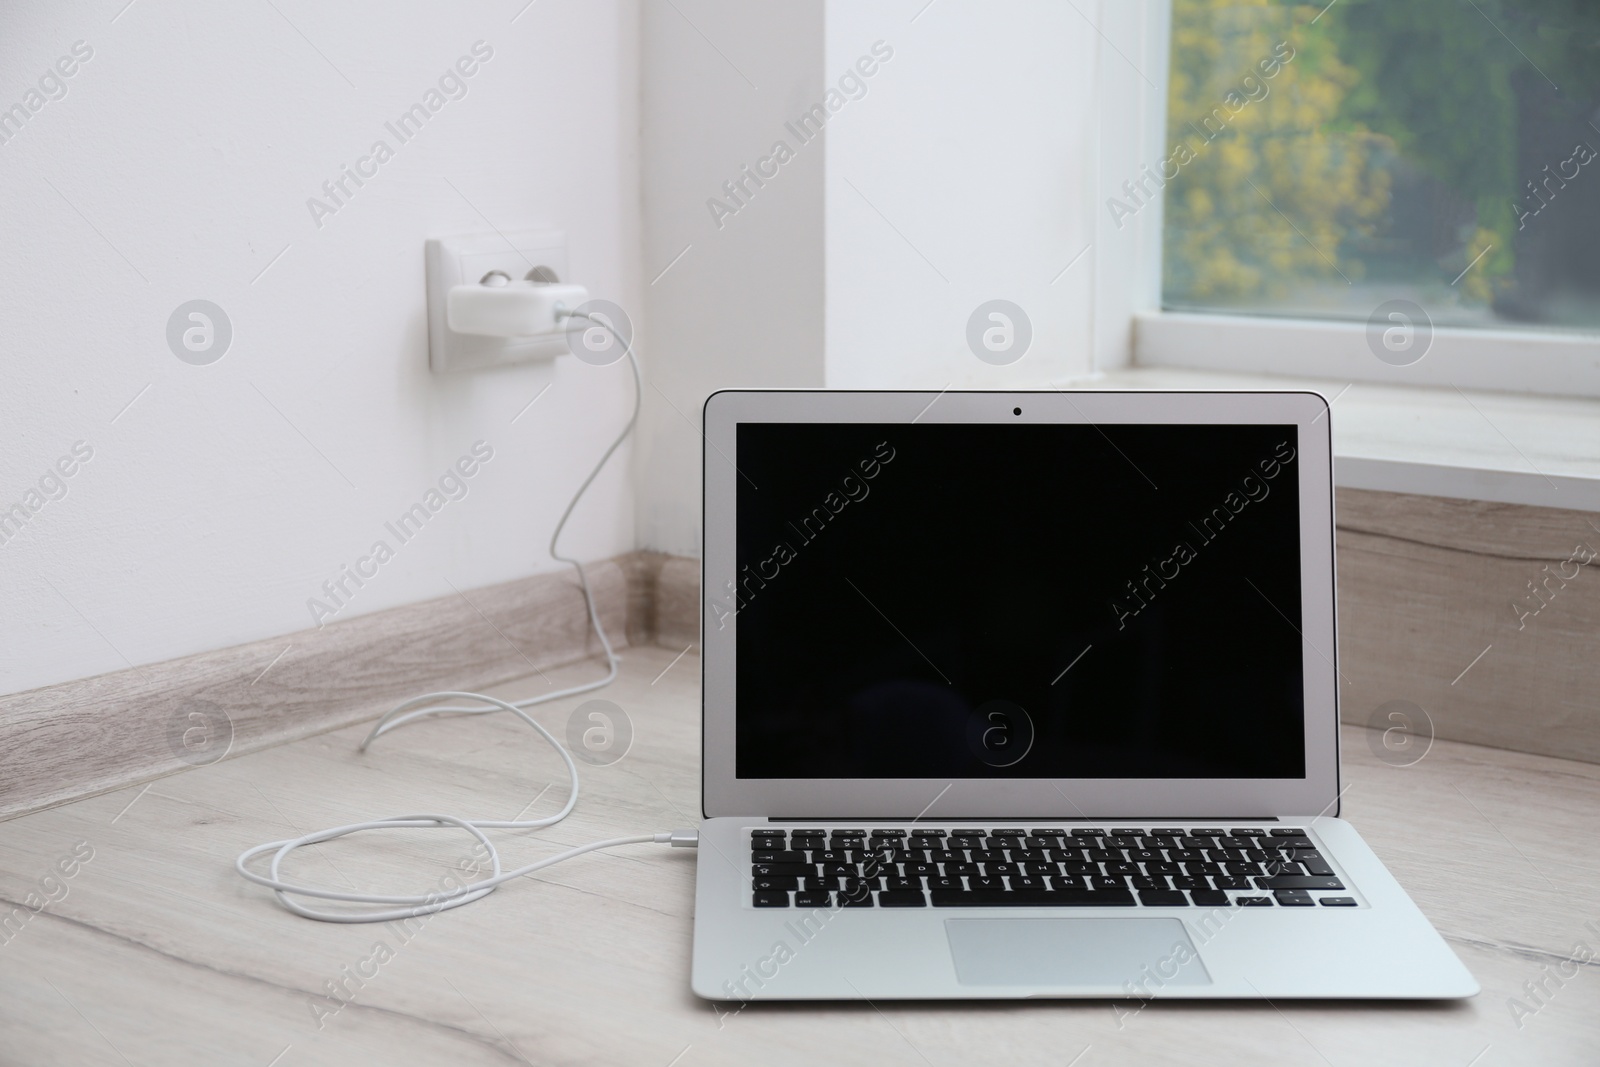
(1325, 161)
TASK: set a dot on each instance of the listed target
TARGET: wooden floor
(154, 952)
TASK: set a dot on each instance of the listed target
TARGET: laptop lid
(1018, 605)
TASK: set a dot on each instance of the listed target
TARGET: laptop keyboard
(1108, 867)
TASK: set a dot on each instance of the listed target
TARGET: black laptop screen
(1016, 601)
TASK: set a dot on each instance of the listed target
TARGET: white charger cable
(384, 908)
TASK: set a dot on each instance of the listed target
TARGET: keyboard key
(1303, 881)
(774, 884)
(1106, 881)
(1224, 881)
(1123, 868)
(901, 884)
(781, 870)
(813, 898)
(944, 898)
(1208, 832)
(1253, 902)
(901, 900)
(1284, 831)
(1099, 898)
(1084, 831)
(767, 833)
(1163, 898)
(1247, 833)
(987, 882)
(1293, 898)
(1209, 898)
(855, 900)
(1069, 898)
(1023, 881)
(1127, 833)
(1147, 883)
(888, 833)
(1189, 882)
(787, 856)
(1317, 866)
(772, 900)
(1338, 902)
(945, 882)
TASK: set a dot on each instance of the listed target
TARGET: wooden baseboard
(1429, 590)
(98, 734)
(677, 602)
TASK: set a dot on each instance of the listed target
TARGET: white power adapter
(498, 306)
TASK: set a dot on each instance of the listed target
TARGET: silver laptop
(1031, 695)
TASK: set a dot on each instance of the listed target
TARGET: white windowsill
(1548, 362)
(1432, 441)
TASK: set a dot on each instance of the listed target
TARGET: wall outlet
(464, 260)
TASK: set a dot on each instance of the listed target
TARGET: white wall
(965, 174)
(967, 170)
(177, 166)
(743, 306)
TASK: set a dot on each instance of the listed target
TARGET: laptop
(1031, 695)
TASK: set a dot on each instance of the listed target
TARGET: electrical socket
(465, 259)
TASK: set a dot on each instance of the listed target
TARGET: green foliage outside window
(1435, 146)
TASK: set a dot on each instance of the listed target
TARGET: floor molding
(94, 735)
(1428, 588)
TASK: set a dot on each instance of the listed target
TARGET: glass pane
(1324, 161)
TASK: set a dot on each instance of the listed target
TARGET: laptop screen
(1028, 601)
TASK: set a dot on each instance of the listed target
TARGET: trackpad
(1144, 953)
